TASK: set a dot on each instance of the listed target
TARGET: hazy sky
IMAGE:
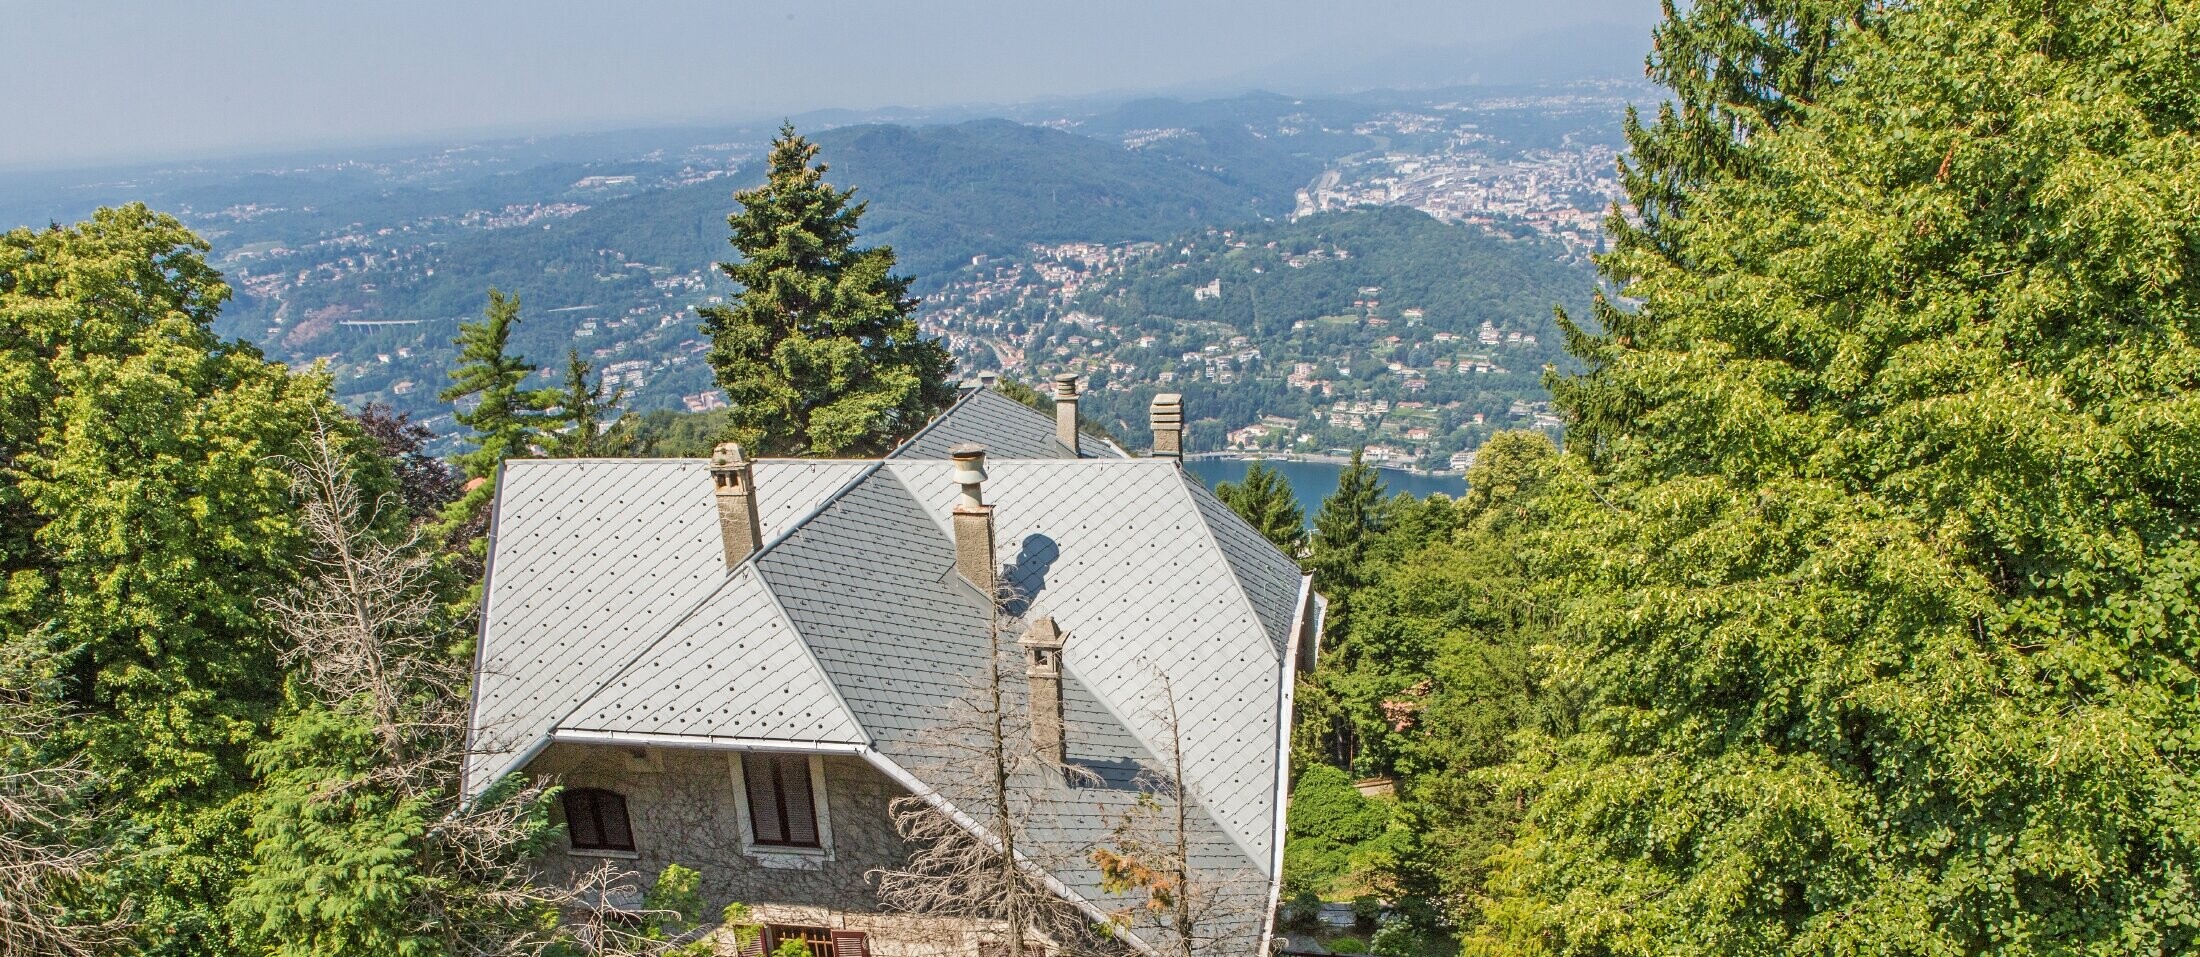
(90, 80)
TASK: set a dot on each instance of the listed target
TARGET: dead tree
(366, 633)
(45, 850)
(982, 850)
(1185, 909)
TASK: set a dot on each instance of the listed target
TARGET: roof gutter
(631, 739)
(1310, 618)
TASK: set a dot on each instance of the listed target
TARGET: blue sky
(94, 80)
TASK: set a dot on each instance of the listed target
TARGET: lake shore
(1314, 457)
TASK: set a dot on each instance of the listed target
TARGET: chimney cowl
(1167, 415)
(1065, 411)
(969, 459)
(973, 520)
(733, 485)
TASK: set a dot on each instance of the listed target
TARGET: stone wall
(683, 810)
(682, 807)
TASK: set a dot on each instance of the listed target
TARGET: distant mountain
(615, 272)
(942, 194)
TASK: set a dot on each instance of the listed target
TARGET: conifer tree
(1265, 501)
(819, 354)
(505, 419)
(1885, 609)
(1348, 522)
(583, 405)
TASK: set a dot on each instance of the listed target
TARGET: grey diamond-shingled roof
(591, 561)
(610, 612)
(1007, 428)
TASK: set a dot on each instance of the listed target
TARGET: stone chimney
(735, 484)
(1043, 669)
(1065, 410)
(973, 519)
(1168, 426)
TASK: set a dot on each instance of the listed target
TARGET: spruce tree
(819, 354)
(583, 405)
(505, 419)
(1885, 609)
(1347, 524)
(1265, 501)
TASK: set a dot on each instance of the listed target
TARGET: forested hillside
(630, 262)
(1360, 305)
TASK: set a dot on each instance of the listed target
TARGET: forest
(1857, 613)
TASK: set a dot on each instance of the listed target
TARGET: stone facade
(683, 807)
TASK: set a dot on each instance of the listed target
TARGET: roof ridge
(934, 423)
(1192, 488)
(871, 467)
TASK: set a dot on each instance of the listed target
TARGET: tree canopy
(1265, 501)
(819, 354)
(1884, 617)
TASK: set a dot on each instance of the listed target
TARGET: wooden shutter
(765, 818)
(800, 809)
(581, 825)
(782, 809)
(611, 809)
(595, 820)
(850, 943)
(755, 946)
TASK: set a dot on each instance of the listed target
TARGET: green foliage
(1437, 673)
(582, 407)
(1338, 837)
(336, 867)
(505, 418)
(673, 894)
(819, 355)
(665, 434)
(1349, 520)
(142, 517)
(1884, 614)
(1265, 501)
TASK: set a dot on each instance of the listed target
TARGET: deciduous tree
(142, 516)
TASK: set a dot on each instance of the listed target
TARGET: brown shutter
(764, 813)
(580, 819)
(616, 832)
(755, 946)
(800, 810)
(850, 943)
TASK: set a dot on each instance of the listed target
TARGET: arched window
(595, 820)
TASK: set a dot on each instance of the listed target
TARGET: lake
(1313, 481)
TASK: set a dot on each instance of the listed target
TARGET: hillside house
(738, 665)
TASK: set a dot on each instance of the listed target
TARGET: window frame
(594, 801)
(791, 855)
(811, 936)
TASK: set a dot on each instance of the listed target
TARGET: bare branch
(979, 847)
(45, 850)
